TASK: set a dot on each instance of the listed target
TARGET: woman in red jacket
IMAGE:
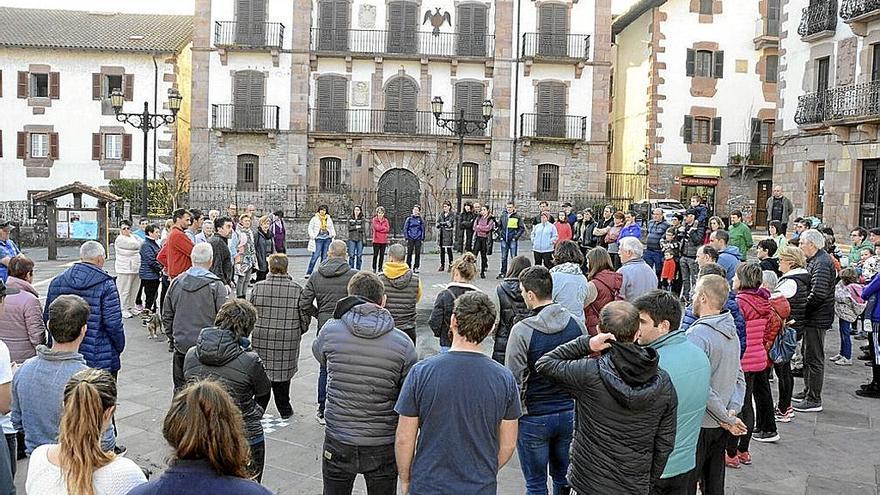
(563, 228)
(762, 325)
(603, 286)
(381, 228)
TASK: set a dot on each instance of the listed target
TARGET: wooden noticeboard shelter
(76, 223)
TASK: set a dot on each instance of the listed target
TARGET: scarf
(323, 219)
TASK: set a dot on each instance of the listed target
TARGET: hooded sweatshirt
(545, 329)
(192, 303)
(729, 258)
(716, 336)
(570, 288)
(367, 360)
(404, 290)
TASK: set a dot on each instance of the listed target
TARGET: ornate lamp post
(146, 122)
(461, 127)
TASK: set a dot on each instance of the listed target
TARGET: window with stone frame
(42, 84)
(247, 172)
(112, 79)
(39, 145)
(771, 69)
(548, 182)
(469, 182)
(705, 63)
(39, 86)
(706, 7)
(330, 174)
(702, 130)
(113, 146)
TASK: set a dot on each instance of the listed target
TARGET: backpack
(785, 342)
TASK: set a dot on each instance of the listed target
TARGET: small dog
(154, 326)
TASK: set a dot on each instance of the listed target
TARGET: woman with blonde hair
(464, 270)
(794, 285)
(246, 260)
(205, 430)
(264, 245)
(77, 465)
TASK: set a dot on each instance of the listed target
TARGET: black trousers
(747, 415)
(765, 419)
(139, 298)
(676, 485)
(481, 249)
(12, 443)
(466, 240)
(281, 391)
(341, 463)
(177, 371)
(709, 470)
(445, 252)
(413, 247)
(378, 256)
(544, 258)
(785, 385)
(164, 283)
(814, 363)
(151, 291)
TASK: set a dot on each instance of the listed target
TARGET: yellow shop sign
(701, 171)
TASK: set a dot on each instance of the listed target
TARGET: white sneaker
(126, 314)
(835, 357)
(843, 361)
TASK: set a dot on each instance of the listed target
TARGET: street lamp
(461, 127)
(146, 122)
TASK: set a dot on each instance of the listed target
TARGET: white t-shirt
(5, 377)
(116, 478)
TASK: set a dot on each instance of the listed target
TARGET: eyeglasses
(125, 228)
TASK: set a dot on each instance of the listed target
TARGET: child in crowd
(867, 266)
(671, 246)
(848, 306)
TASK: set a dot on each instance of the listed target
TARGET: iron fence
(556, 45)
(367, 121)
(624, 188)
(548, 125)
(22, 212)
(249, 34)
(372, 41)
(844, 102)
(818, 17)
(245, 117)
(760, 154)
(854, 9)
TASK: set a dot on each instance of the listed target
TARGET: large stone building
(56, 122)
(695, 94)
(828, 156)
(323, 96)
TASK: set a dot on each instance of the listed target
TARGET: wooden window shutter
(128, 84)
(54, 85)
(126, 147)
(53, 145)
(1, 143)
(756, 131)
(718, 71)
(1, 83)
(716, 130)
(97, 143)
(688, 132)
(21, 145)
(96, 85)
(689, 66)
(22, 84)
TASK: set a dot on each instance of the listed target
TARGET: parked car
(669, 206)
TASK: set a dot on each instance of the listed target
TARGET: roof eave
(634, 12)
(145, 51)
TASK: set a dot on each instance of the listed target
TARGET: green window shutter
(718, 58)
(689, 65)
(688, 132)
(716, 130)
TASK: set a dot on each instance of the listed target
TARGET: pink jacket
(21, 326)
(380, 230)
(755, 307)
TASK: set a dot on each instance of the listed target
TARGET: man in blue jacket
(414, 233)
(728, 256)
(657, 228)
(511, 230)
(688, 367)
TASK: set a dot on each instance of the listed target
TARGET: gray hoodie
(716, 336)
(192, 303)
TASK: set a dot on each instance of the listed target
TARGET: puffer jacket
(871, 290)
(219, 355)
(762, 325)
(544, 237)
(631, 405)
(381, 227)
(192, 303)
(128, 254)
(414, 228)
(325, 288)
(441, 315)
(608, 284)
(656, 233)
(729, 258)
(264, 245)
(798, 301)
(403, 290)
(21, 324)
(820, 301)
(150, 269)
(570, 288)
(692, 239)
(733, 308)
(105, 336)
(511, 309)
(367, 360)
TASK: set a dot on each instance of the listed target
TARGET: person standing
(848, 307)
(321, 234)
(657, 228)
(817, 320)
(714, 333)
(446, 234)
(381, 227)
(794, 285)
(638, 277)
(367, 361)
(414, 234)
(569, 282)
(466, 228)
(779, 207)
(570, 215)
(688, 368)
(631, 227)
(193, 301)
(544, 237)
(692, 233)
(221, 266)
(563, 228)
(403, 289)
(232, 212)
(127, 249)
(465, 455)
(603, 287)
(206, 233)
(740, 234)
(629, 400)
(219, 355)
(150, 271)
(279, 329)
(511, 306)
(21, 324)
(195, 225)
(543, 207)
(356, 231)
(464, 270)
(177, 248)
(246, 260)
(139, 230)
(8, 249)
(264, 246)
(512, 229)
(547, 424)
(325, 289)
(766, 252)
(279, 232)
(729, 256)
(730, 305)
(7, 455)
(610, 234)
(859, 238)
(483, 226)
(777, 232)
(583, 232)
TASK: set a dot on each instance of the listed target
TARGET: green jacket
(855, 251)
(741, 237)
(689, 369)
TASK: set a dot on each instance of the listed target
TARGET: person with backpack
(603, 287)
(511, 306)
(464, 269)
(848, 306)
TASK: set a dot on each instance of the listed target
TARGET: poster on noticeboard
(83, 225)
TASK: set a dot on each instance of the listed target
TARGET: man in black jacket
(625, 402)
(512, 229)
(222, 264)
(819, 316)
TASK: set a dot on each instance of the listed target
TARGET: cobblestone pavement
(833, 452)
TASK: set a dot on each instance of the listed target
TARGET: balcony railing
(857, 101)
(416, 43)
(853, 10)
(546, 125)
(750, 154)
(367, 121)
(556, 45)
(245, 118)
(248, 34)
(818, 18)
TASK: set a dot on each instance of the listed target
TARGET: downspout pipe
(155, 109)
(515, 120)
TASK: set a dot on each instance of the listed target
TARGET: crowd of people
(627, 358)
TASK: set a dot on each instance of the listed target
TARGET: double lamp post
(146, 122)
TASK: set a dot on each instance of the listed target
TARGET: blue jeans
(507, 247)
(845, 338)
(355, 254)
(321, 246)
(544, 440)
(654, 259)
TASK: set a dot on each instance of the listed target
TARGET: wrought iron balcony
(262, 35)
(367, 121)
(750, 154)
(556, 45)
(856, 103)
(415, 43)
(859, 10)
(245, 118)
(547, 125)
(818, 20)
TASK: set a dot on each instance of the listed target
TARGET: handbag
(784, 345)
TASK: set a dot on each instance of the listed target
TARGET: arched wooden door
(398, 192)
